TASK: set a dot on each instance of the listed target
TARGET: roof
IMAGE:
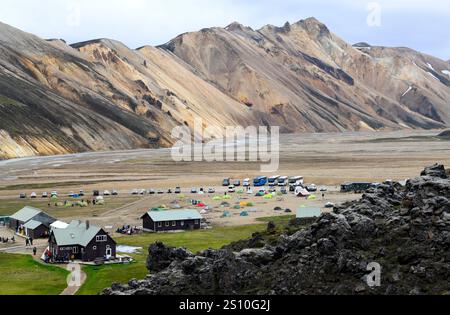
(174, 215)
(306, 212)
(76, 233)
(26, 214)
(32, 224)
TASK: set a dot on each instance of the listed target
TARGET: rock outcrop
(406, 230)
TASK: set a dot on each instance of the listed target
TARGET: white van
(246, 182)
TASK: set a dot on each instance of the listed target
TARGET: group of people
(127, 230)
(6, 240)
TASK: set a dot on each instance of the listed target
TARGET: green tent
(244, 214)
(312, 197)
(226, 197)
(217, 198)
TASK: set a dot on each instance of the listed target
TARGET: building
(173, 220)
(82, 241)
(31, 222)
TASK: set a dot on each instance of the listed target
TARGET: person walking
(34, 251)
(27, 242)
(31, 241)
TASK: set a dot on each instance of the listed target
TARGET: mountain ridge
(300, 76)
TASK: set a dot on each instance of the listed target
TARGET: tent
(158, 209)
(201, 205)
(301, 192)
(237, 207)
(268, 197)
(312, 197)
(226, 197)
(217, 198)
(203, 212)
(226, 214)
(244, 214)
(246, 204)
(240, 191)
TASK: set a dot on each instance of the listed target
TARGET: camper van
(246, 182)
(295, 181)
(260, 181)
(283, 181)
(273, 180)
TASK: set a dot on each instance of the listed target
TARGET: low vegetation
(22, 275)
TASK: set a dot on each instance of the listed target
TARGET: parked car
(114, 193)
(246, 182)
(193, 190)
(284, 191)
(33, 195)
(96, 193)
(54, 194)
(44, 195)
(226, 182)
(106, 193)
(23, 196)
(231, 189)
(323, 189)
(169, 191)
(272, 189)
(178, 190)
(142, 192)
(329, 205)
(311, 188)
(151, 192)
(160, 192)
(135, 192)
(237, 183)
(71, 194)
(211, 191)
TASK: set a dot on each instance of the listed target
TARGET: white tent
(301, 192)
(59, 225)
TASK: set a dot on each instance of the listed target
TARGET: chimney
(87, 225)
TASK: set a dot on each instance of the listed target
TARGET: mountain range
(101, 95)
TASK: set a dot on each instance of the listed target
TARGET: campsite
(328, 163)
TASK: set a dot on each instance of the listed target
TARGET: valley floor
(323, 159)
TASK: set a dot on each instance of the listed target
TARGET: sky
(421, 25)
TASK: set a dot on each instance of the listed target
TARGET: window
(101, 238)
(108, 247)
(159, 224)
(75, 250)
(182, 223)
(197, 222)
(167, 224)
(94, 247)
(174, 223)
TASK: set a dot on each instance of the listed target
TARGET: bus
(283, 181)
(295, 181)
(273, 180)
(260, 181)
(356, 187)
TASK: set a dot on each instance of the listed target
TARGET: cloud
(413, 23)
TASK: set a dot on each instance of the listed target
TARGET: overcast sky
(422, 25)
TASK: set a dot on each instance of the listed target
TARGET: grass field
(21, 275)
(195, 241)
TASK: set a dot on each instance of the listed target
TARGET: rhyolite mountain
(57, 98)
